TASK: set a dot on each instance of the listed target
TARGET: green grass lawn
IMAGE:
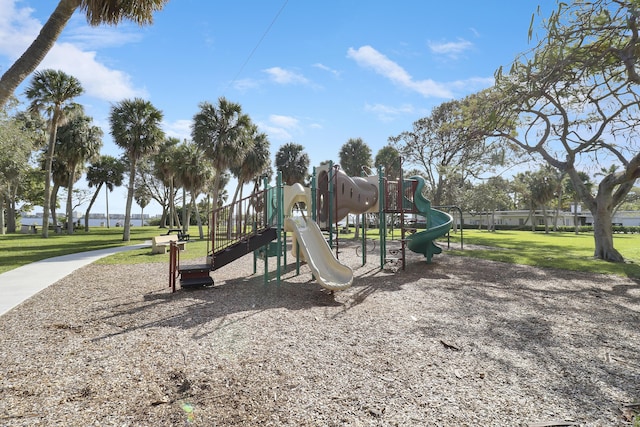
(556, 250)
(20, 249)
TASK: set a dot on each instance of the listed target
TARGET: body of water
(93, 222)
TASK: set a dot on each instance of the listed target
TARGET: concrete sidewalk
(23, 282)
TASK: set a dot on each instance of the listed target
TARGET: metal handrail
(238, 221)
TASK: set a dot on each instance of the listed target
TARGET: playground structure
(259, 224)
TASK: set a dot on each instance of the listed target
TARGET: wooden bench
(160, 244)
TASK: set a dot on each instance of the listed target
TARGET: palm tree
(78, 142)
(255, 163)
(293, 162)
(218, 132)
(51, 92)
(193, 174)
(165, 171)
(142, 195)
(135, 127)
(106, 171)
(97, 12)
(59, 178)
(570, 190)
(355, 155)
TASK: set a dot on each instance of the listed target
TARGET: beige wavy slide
(314, 249)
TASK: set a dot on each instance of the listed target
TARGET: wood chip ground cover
(459, 342)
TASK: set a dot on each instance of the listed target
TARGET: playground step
(196, 282)
(195, 275)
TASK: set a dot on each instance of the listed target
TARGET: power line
(273, 21)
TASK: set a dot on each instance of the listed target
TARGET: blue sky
(313, 73)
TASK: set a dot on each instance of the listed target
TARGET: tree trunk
(198, 219)
(231, 209)
(558, 207)
(163, 218)
(47, 177)
(11, 214)
(532, 215)
(575, 216)
(185, 214)
(35, 53)
(93, 199)
(106, 194)
(603, 230)
(70, 201)
(53, 205)
(126, 234)
(172, 205)
(2, 198)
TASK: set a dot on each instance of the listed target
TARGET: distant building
(521, 218)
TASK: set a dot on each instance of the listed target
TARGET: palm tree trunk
(198, 219)
(53, 208)
(558, 207)
(172, 205)
(93, 199)
(185, 214)
(107, 206)
(126, 234)
(70, 201)
(35, 53)
(575, 215)
(2, 198)
(47, 178)
(532, 215)
(231, 208)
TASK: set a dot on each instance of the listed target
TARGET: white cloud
(274, 132)
(244, 85)
(97, 79)
(286, 122)
(327, 69)
(280, 127)
(18, 29)
(285, 77)
(85, 36)
(368, 57)
(387, 113)
(180, 129)
(451, 49)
